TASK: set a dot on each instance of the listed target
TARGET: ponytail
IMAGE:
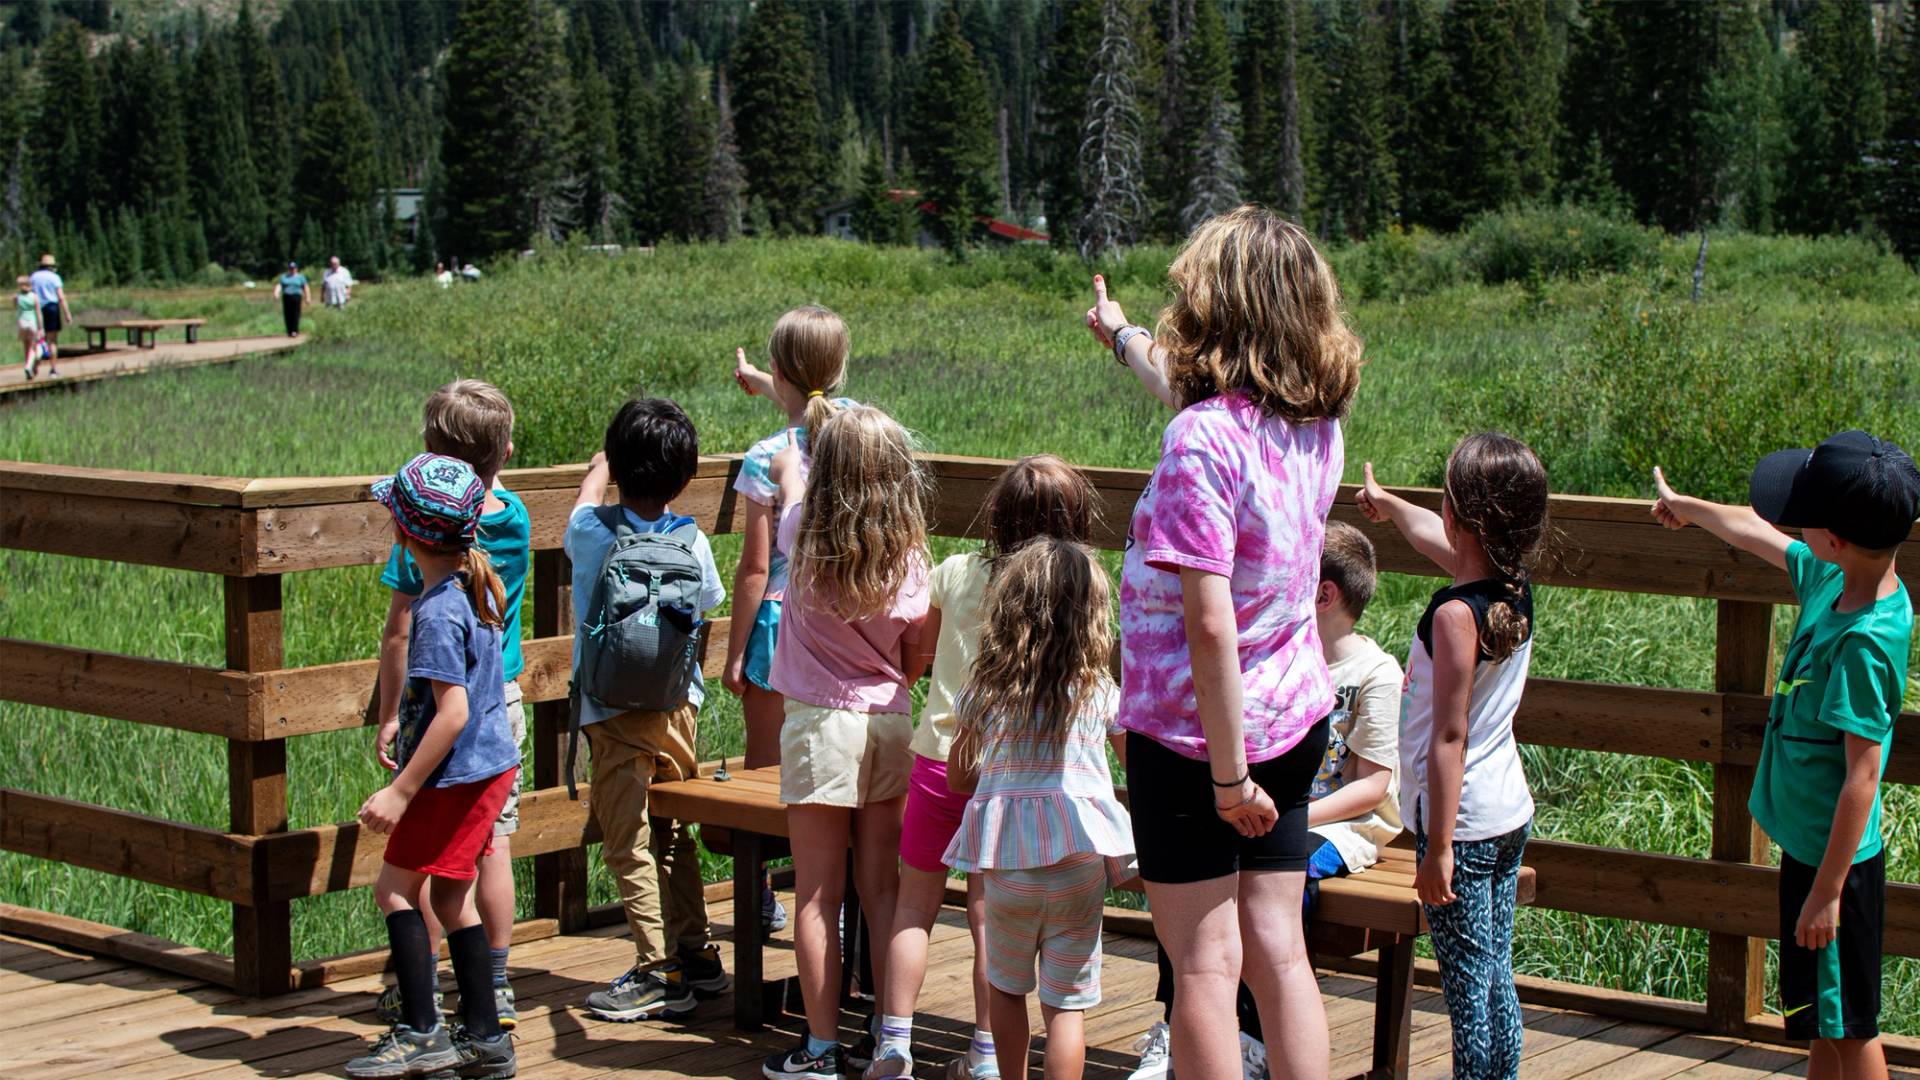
(820, 409)
(1507, 628)
(484, 591)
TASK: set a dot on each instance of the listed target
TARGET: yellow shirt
(959, 585)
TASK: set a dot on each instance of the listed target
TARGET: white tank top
(1494, 799)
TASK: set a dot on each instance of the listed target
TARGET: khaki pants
(648, 856)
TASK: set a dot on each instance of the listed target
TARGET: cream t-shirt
(959, 585)
(1366, 722)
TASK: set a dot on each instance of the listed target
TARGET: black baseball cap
(1862, 489)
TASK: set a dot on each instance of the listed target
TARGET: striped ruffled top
(1041, 802)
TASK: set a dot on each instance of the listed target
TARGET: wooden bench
(1373, 911)
(142, 333)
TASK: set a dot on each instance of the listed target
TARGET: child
(472, 421)
(808, 354)
(1830, 726)
(1466, 795)
(849, 649)
(1035, 496)
(27, 320)
(1355, 809)
(650, 454)
(1043, 826)
(457, 763)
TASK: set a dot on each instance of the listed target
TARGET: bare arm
(1364, 784)
(1147, 361)
(393, 673)
(1737, 525)
(1423, 528)
(913, 655)
(963, 762)
(755, 382)
(1213, 640)
(920, 655)
(1456, 647)
(1819, 917)
(383, 810)
(593, 486)
(749, 589)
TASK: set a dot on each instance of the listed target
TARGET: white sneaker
(893, 1059)
(1156, 1054)
(1253, 1058)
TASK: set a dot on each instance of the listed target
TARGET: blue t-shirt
(293, 284)
(46, 287)
(450, 645)
(506, 536)
(587, 543)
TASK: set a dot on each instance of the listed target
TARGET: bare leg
(1847, 1059)
(495, 893)
(1011, 1039)
(977, 926)
(1199, 925)
(765, 711)
(876, 872)
(819, 884)
(913, 916)
(452, 901)
(1280, 974)
(1066, 1042)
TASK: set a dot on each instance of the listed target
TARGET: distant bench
(143, 333)
(1373, 910)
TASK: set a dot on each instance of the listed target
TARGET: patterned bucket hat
(435, 499)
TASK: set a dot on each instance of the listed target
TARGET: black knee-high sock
(473, 972)
(413, 963)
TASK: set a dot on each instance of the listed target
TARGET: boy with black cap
(1830, 724)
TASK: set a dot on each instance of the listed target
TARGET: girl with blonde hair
(1226, 689)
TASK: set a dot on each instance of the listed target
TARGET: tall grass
(984, 356)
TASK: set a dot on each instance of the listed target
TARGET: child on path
(457, 763)
(472, 421)
(1830, 724)
(808, 361)
(1043, 827)
(855, 532)
(1465, 794)
(27, 321)
(650, 454)
(1036, 496)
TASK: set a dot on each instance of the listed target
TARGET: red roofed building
(836, 219)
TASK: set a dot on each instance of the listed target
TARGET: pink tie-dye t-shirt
(1244, 495)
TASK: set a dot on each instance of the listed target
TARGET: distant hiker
(442, 276)
(336, 285)
(51, 294)
(292, 291)
(27, 312)
(470, 272)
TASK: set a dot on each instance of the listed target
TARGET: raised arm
(1146, 360)
(1423, 528)
(1737, 525)
(755, 382)
(593, 486)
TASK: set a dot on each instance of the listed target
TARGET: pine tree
(268, 134)
(1290, 119)
(1416, 84)
(724, 180)
(1063, 111)
(685, 151)
(337, 163)
(69, 125)
(1842, 121)
(1360, 185)
(226, 188)
(1742, 127)
(1213, 179)
(1499, 150)
(879, 216)
(1110, 169)
(952, 132)
(597, 167)
(1899, 190)
(779, 115)
(637, 118)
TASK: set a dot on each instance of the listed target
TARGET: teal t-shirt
(293, 284)
(506, 536)
(24, 307)
(1844, 673)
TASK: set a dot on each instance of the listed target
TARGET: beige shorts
(838, 757)
(508, 822)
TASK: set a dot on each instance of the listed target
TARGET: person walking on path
(336, 285)
(292, 291)
(50, 292)
(27, 317)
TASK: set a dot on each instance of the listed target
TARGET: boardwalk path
(82, 367)
(75, 1016)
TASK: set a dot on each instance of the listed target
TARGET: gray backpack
(641, 637)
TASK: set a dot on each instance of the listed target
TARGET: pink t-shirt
(1244, 495)
(822, 659)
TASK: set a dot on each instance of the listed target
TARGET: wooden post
(257, 792)
(1736, 966)
(559, 877)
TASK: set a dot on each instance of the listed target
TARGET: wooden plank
(180, 696)
(332, 969)
(179, 856)
(559, 877)
(1736, 966)
(216, 540)
(285, 491)
(18, 476)
(1681, 724)
(128, 945)
(257, 790)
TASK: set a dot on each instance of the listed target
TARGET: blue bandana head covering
(435, 499)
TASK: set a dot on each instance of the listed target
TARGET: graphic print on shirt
(1334, 763)
(416, 709)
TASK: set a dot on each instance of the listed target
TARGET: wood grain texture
(1736, 966)
(179, 696)
(185, 857)
(215, 540)
(103, 940)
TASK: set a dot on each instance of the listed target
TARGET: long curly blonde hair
(1045, 638)
(1256, 309)
(863, 527)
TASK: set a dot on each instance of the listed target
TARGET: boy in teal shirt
(473, 421)
(1830, 724)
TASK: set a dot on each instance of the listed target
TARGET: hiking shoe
(698, 970)
(1253, 1058)
(893, 1060)
(406, 1052)
(386, 1007)
(486, 1059)
(1156, 1054)
(797, 1064)
(504, 1007)
(773, 914)
(641, 994)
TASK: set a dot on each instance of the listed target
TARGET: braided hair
(1497, 490)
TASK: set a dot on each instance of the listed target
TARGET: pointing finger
(740, 355)
(1369, 471)
(1099, 289)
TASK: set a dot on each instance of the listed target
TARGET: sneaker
(1156, 1054)
(406, 1052)
(959, 1069)
(641, 995)
(386, 1007)
(699, 971)
(1253, 1058)
(860, 1054)
(503, 1005)
(486, 1059)
(797, 1064)
(894, 1059)
(773, 914)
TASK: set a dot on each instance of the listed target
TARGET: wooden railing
(251, 532)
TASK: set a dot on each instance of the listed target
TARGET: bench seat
(143, 333)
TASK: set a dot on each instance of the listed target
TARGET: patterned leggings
(1473, 939)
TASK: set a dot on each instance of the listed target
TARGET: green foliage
(778, 113)
(1564, 242)
(1398, 264)
(1499, 150)
(952, 132)
(1839, 117)
(337, 175)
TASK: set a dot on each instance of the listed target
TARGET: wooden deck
(77, 1016)
(80, 366)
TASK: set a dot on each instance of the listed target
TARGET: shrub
(1399, 264)
(1534, 244)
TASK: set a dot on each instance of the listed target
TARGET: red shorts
(446, 830)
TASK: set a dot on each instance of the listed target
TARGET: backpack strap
(615, 519)
(573, 737)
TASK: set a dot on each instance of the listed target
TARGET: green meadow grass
(984, 356)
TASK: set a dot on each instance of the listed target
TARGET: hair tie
(814, 393)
